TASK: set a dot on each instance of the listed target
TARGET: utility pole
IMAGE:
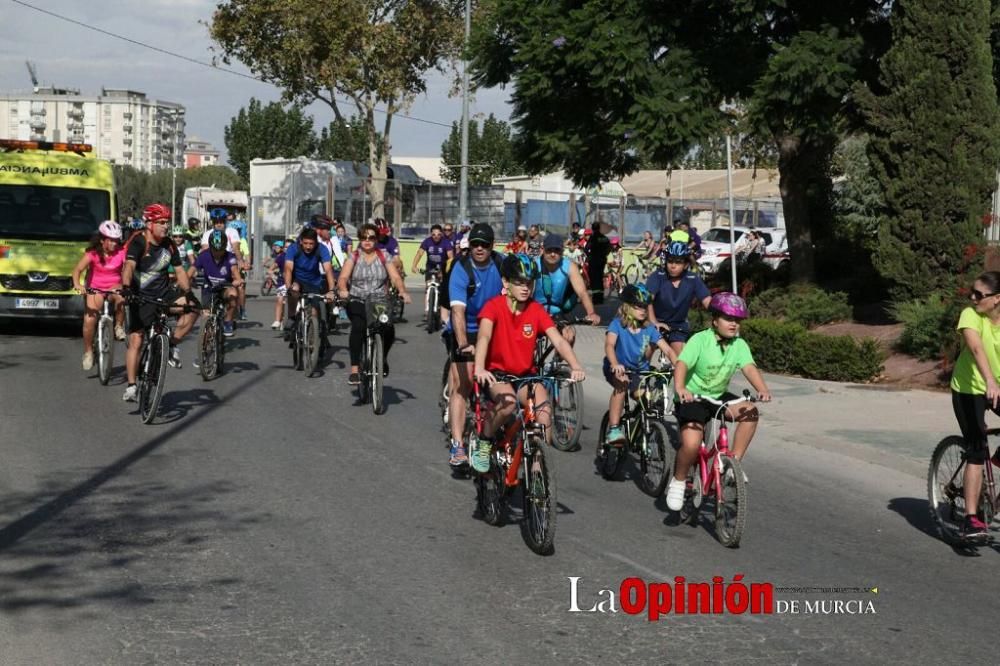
(173, 197)
(463, 186)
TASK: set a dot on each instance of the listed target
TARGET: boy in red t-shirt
(509, 324)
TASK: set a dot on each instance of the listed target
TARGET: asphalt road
(265, 518)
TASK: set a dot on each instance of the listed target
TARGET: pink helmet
(728, 303)
(110, 229)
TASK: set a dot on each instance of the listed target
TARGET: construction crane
(33, 73)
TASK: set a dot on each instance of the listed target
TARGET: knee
(749, 415)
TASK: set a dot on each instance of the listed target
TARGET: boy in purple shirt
(219, 267)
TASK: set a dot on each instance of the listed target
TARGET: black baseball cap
(482, 233)
(553, 242)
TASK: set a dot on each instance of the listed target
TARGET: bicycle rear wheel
(731, 503)
(491, 494)
(539, 499)
(105, 343)
(154, 374)
(364, 387)
(567, 417)
(631, 274)
(378, 405)
(208, 348)
(432, 311)
(444, 402)
(310, 346)
(656, 459)
(946, 489)
(609, 458)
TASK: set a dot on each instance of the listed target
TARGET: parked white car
(715, 246)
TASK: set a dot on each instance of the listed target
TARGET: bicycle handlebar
(91, 290)
(746, 397)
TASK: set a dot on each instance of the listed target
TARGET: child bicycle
(211, 343)
(519, 455)
(104, 338)
(645, 432)
(946, 489)
(717, 474)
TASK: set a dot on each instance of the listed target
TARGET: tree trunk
(794, 170)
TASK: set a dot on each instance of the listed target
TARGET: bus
(52, 198)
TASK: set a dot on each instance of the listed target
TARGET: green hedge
(804, 304)
(787, 347)
(929, 326)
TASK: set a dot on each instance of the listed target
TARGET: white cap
(464, 243)
(522, 228)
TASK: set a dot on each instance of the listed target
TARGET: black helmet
(217, 240)
(636, 294)
(519, 267)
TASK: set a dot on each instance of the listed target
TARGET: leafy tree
(858, 200)
(492, 146)
(935, 142)
(344, 140)
(599, 86)
(265, 132)
(376, 53)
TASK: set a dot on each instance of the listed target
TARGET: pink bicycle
(718, 476)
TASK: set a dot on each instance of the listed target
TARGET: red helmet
(156, 211)
(383, 227)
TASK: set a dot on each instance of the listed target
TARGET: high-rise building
(123, 126)
(198, 153)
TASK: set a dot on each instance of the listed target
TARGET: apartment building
(198, 153)
(123, 126)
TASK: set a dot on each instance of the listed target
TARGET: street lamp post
(463, 187)
(732, 207)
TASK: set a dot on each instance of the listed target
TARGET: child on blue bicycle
(628, 346)
(705, 366)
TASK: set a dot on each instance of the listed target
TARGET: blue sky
(67, 55)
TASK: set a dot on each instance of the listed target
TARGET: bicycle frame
(710, 475)
(523, 423)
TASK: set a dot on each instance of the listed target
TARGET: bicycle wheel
(631, 274)
(609, 458)
(208, 349)
(567, 416)
(310, 347)
(491, 495)
(297, 344)
(220, 354)
(378, 405)
(432, 311)
(364, 388)
(946, 488)
(153, 377)
(539, 499)
(656, 459)
(266, 287)
(731, 503)
(693, 495)
(445, 400)
(105, 343)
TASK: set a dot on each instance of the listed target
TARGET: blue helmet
(636, 294)
(218, 214)
(519, 267)
(677, 249)
(217, 240)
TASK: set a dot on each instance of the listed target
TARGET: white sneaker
(276, 325)
(88, 360)
(175, 357)
(675, 495)
(131, 393)
(119, 332)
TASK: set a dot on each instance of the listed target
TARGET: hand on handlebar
(593, 318)
(406, 297)
(484, 376)
(618, 371)
(763, 396)
(578, 375)
(684, 395)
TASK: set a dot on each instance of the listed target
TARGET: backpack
(466, 263)
(357, 254)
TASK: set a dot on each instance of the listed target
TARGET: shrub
(787, 347)
(802, 304)
(928, 326)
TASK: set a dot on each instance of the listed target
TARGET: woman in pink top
(103, 260)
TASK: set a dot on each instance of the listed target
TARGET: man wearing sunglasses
(474, 280)
(560, 286)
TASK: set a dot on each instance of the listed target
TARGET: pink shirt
(106, 275)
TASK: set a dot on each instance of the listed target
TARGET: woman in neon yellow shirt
(974, 388)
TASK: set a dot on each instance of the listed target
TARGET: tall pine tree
(935, 142)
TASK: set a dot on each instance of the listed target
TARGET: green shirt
(709, 367)
(966, 377)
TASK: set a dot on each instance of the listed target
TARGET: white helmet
(110, 229)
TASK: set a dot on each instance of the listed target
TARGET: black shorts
(970, 412)
(139, 315)
(453, 353)
(698, 411)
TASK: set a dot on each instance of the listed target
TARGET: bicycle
(104, 337)
(946, 490)
(268, 285)
(309, 337)
(645, 432)
(397, 302)
(566, 396)
(638, 270)
(154, 354)
(716, 473)
(431, 300)
(379, 311)
(211, 342)
(519, 456)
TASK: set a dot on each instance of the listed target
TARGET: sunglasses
(481, 244)
(369, 237)
(978, 295)
(554, 250)
(448, 229)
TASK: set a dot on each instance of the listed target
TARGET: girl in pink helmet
(705, 366)
(103, 261)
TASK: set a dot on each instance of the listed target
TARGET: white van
(715, 246)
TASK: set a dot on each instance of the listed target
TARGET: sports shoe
(175, 356)
(481, 450)
(88, 360)
(119, 332)
(675, 494)
(194, 363)
(615, 436)
(354, 379)
(974, 529)
(227, 329)
(131, 393)
(457, 457)
(276, 325)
